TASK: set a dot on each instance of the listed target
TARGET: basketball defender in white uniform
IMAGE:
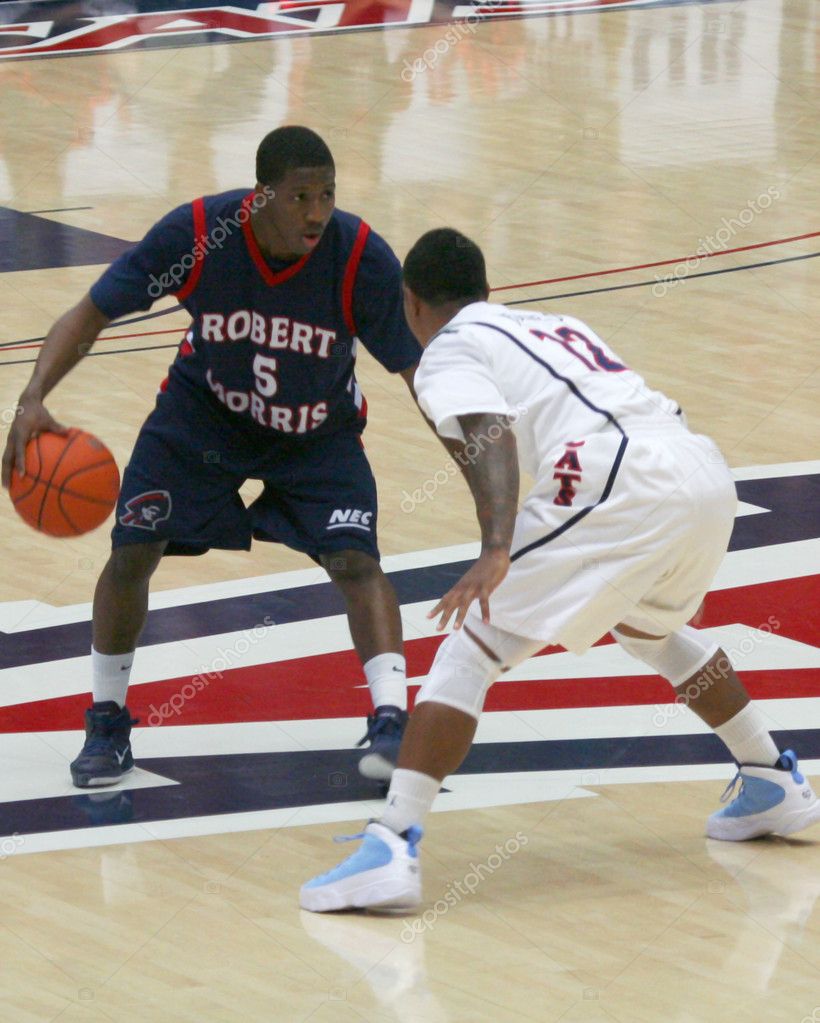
(622, 532)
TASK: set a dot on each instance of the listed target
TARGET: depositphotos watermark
(215, 239)
(714, 673)
(458, 29)
(717, 242)
(8, 415)
(428, 60)
(173, 706)
(456, 890)
(474, 446)
(10, 845)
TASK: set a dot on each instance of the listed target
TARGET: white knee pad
(508, 648)
(676, 657)
(462, 673)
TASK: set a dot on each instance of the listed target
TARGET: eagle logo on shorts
(146, 511)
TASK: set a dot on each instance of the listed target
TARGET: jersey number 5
(571, 340)
(264, 369)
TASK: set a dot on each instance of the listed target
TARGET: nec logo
(350, 518)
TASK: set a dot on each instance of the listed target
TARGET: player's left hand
(476, 584)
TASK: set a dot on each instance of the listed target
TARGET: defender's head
(443, 272)
(295, 191)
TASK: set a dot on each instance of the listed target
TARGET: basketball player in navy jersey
(280, 286)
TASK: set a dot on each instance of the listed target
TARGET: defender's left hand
(476, 584)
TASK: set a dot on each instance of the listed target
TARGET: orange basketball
(71, 483)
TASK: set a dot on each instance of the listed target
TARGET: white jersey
(555, 379)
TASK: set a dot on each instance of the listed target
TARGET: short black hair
(288, 148)
(445, 266)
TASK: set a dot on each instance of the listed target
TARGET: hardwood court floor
(569, 145)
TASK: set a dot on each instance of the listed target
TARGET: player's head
(295, 191)
(443, 272)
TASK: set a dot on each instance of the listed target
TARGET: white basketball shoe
(772, 800)
(383, 873)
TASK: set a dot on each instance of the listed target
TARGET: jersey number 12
(571, 340)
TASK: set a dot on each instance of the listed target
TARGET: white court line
(762, 472)
(751, 649)
(19, 616)
(48, 753)
(25, 615)
(467, 792)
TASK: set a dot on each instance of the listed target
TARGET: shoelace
(727, 792)
(375, 726)
(97, 745)
(347, 838)
(412, 836)
(99, 741)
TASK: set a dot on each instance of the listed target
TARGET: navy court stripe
(248, 782)
(791, 504)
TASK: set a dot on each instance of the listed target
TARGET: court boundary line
(17, 346)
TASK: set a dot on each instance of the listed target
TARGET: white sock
(110, 675)
(409, 800)
(748, 738)
(386, 675)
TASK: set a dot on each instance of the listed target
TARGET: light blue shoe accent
(756, 796)
(788, 762)
(370, 855)
(414, 835)
(773, 800)
(384, 873)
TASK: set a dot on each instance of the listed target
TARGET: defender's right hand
(32, 418)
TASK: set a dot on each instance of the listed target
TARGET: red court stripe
(659, 262)
(507, 287)
(108, 337)
(331, 685)
(297, 691)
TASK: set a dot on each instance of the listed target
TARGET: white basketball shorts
(646, 527)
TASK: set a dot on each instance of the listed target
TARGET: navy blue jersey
(273, 343)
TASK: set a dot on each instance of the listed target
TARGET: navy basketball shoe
(385, 730)
(106, 755)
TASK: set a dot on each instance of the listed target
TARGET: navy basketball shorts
(182, 485)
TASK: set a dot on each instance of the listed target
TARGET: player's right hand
(477, 583)
(31, 419)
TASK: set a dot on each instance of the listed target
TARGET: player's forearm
(66, 343)
(491, 469)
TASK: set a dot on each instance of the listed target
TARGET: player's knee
(676, 657)
(506, 647)
(134, 562)
(460, 676)
(350, 567)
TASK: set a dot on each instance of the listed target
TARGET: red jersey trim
(200, 250)
(185, 348)
(349, 279)
(270, 278)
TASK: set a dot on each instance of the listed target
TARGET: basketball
(70, 486)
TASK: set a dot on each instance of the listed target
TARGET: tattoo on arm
(490, 466)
